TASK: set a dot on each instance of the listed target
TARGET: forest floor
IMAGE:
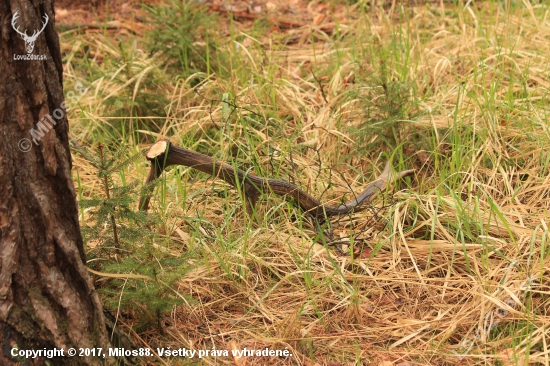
(449, 267)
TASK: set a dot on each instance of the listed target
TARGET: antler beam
(163, 154)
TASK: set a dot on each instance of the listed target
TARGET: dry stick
(320, 87)
(163, 154)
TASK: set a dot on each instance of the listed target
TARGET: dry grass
(449, 255)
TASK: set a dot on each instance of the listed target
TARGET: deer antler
(46, 18)
(163, 154)
(36, 32)
(15, 16)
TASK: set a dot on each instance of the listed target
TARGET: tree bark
(47, 299)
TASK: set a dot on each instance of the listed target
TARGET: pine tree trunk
(47, 299)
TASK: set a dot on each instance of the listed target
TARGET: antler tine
(46, 18)
(15, 16)
(37, 32)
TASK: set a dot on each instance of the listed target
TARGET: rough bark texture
(47, 299)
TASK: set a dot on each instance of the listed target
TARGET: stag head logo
(29, 40)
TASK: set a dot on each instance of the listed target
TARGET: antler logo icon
(29, 41)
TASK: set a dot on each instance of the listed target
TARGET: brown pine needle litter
(448, 268)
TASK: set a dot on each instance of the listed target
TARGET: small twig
(320, 86)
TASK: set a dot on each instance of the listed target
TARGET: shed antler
(163, 154)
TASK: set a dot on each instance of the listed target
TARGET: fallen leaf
(368, 308)
(390, 299)
(270, 6)
(362, 251)
(349, 79)
(318, 19)
(61, 13)
(183, 235)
